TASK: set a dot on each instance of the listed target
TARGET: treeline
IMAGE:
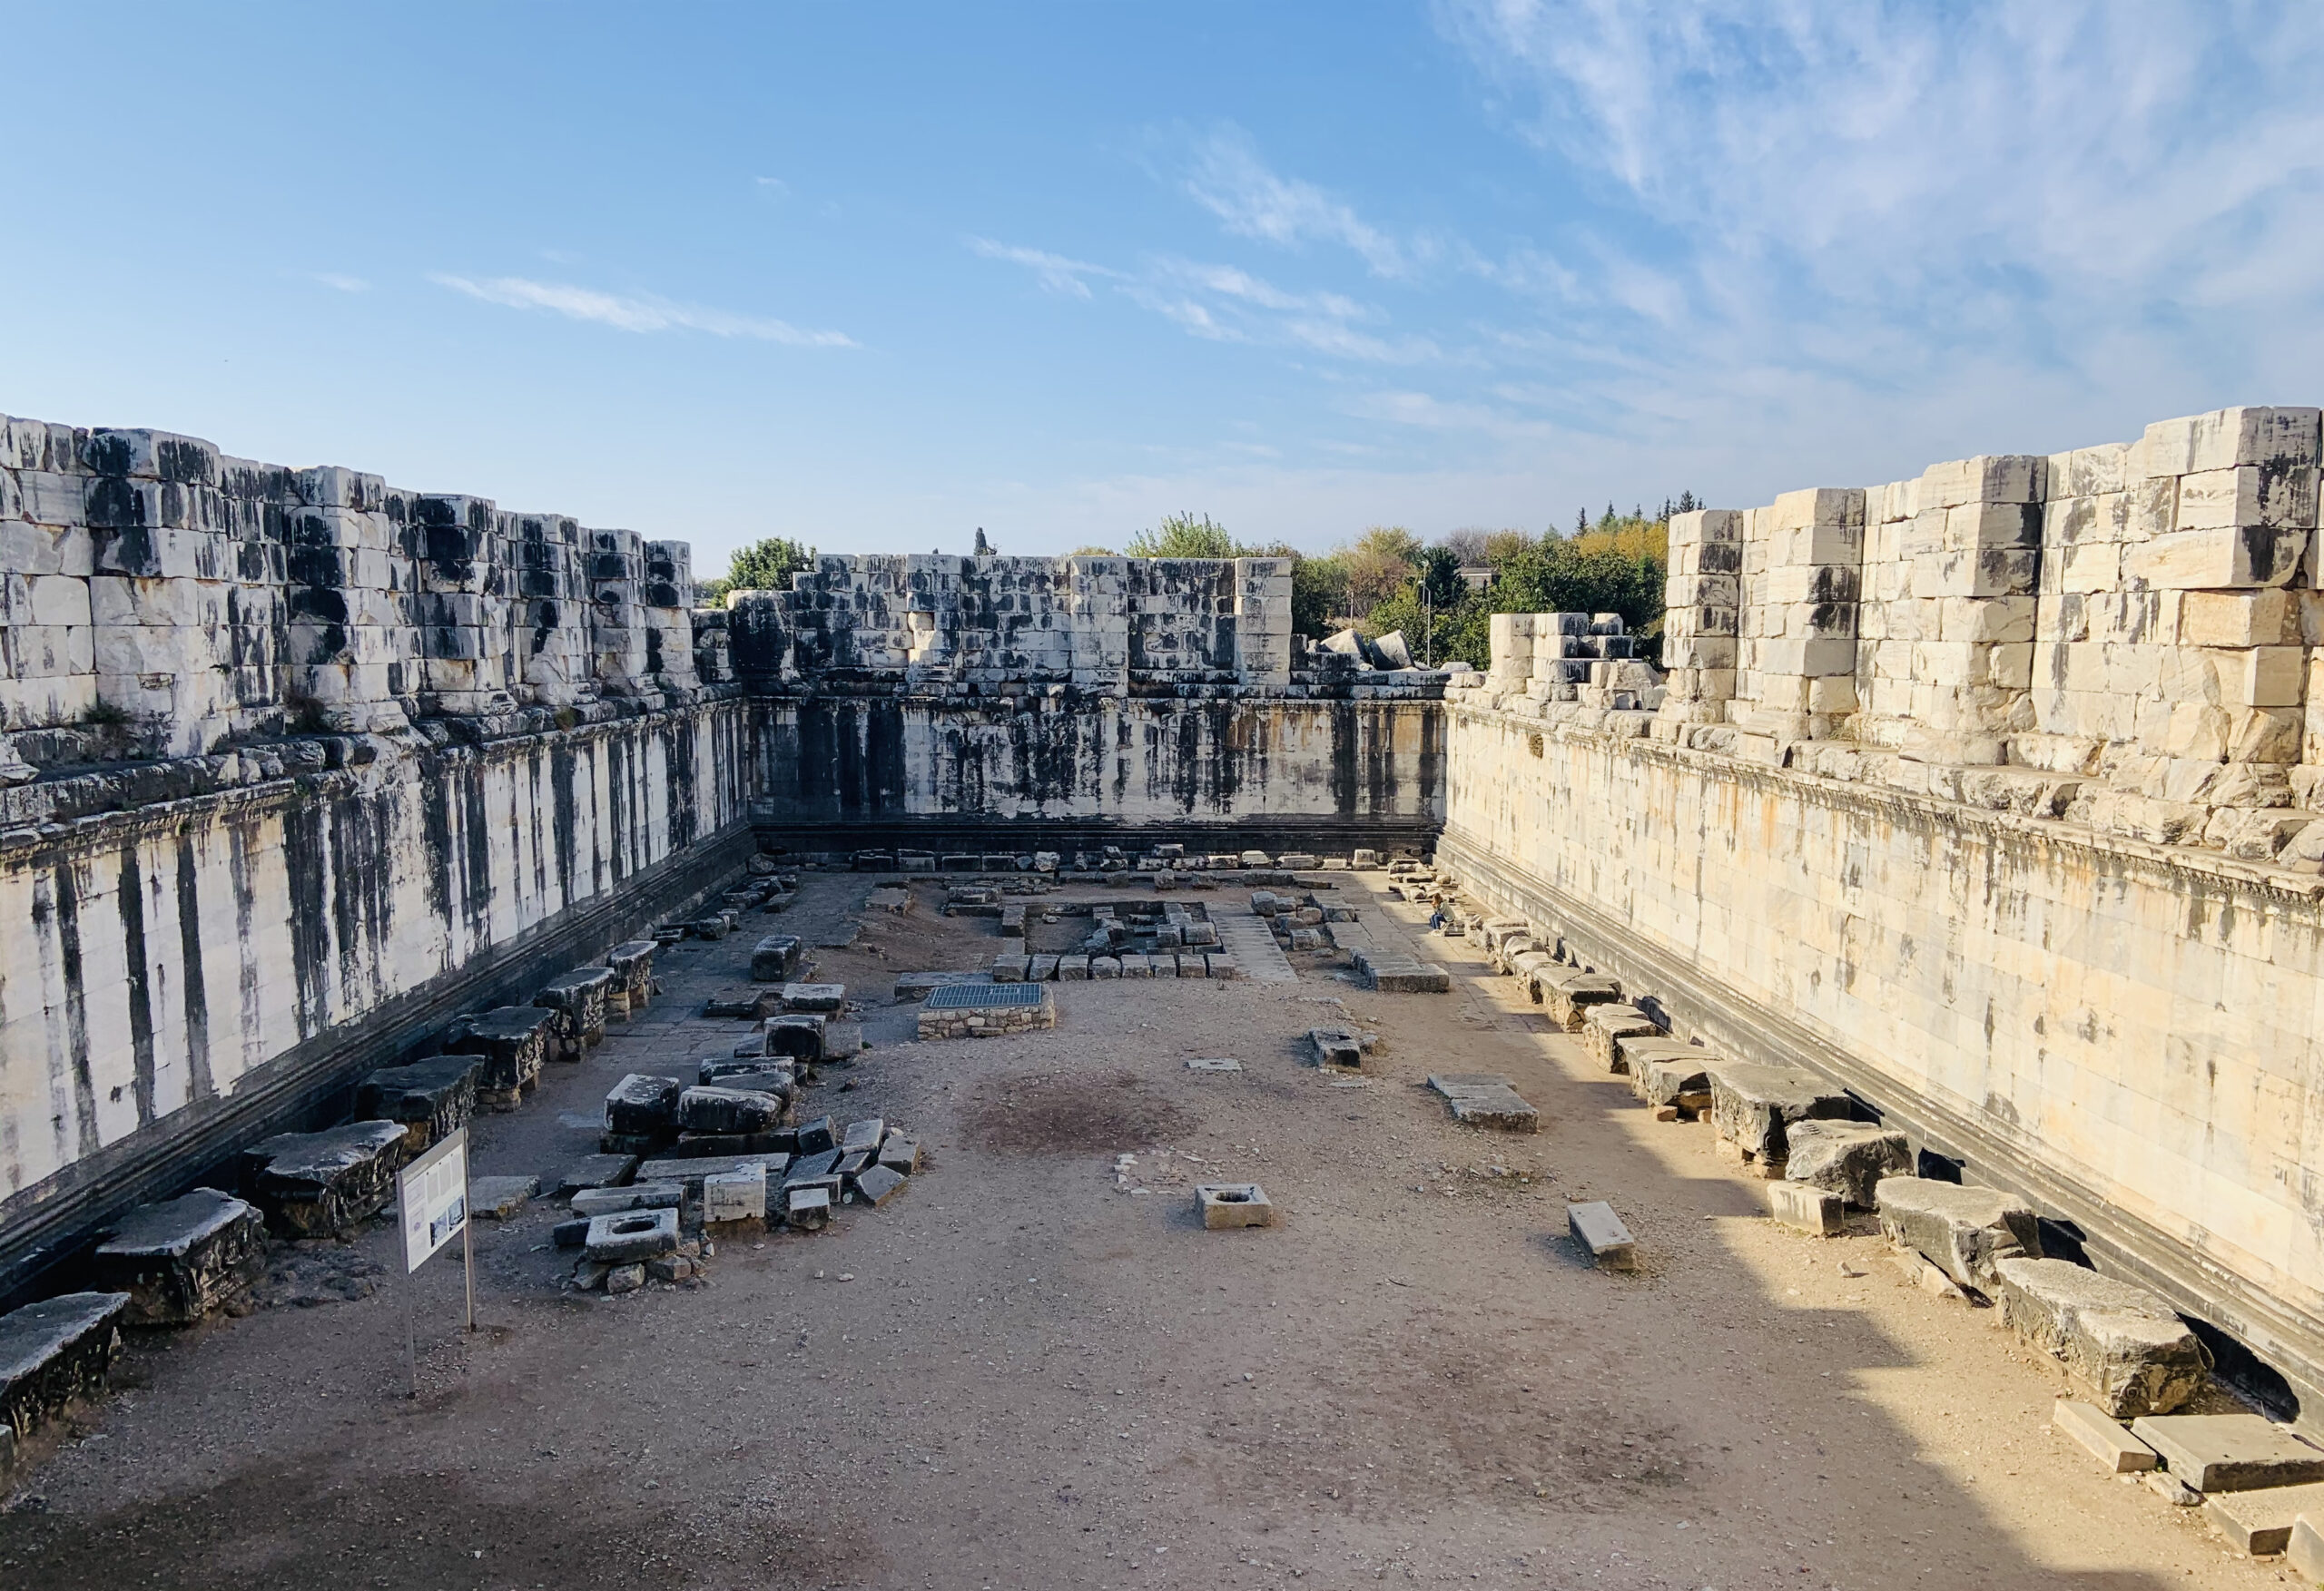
(1442, 595)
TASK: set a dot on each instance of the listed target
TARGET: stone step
(2230, 1452)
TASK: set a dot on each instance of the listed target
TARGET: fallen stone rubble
(1823, 1159)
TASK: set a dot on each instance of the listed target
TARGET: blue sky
(876, 275)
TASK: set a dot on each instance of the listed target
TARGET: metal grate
(970, 996)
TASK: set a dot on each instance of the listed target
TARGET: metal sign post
(432, 1198)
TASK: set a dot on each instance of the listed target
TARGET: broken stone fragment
(899, 1152)
(1847, 1158)
(822, 1163)
(327, 1184)
(641, 1103)
(1962, 1231)
(2122, 1341)
(751, 1005)
(53, 1351)
(433, 1098)
(1751, 1106)
(626, 1235)
(808, 1208)
(627, 1278)
(1338, 1047)
(183, 1258)
(729, 1110)
(865, 1133)
(817, 1135)
(1804, 1207)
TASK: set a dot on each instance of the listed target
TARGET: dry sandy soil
(1018, 1374)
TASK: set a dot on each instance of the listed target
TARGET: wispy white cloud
(634, 313)
(775, 186)
(1054, 272)
(1226, 175)
(342, 282)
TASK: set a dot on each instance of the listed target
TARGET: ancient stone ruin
(1955, 852)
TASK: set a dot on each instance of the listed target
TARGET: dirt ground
(1021, 1374)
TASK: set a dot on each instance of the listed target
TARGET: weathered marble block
(776, 958)
(729, 1110)
(1751, 1106)
(326, 1184)
(1962, 1231)
(2123, 1342)
(513, 1040)
(632, 964)
(1847, 1158)
(433, 1097)
(797, 1034)
(183, 1258)
(1603, 1025)
(53, 1351)
(580, 996)
(643, 1103)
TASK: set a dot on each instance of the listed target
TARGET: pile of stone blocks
(183, 1259)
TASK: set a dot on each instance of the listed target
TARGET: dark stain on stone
(200, 1084)
(140, 974)
(76, 1008)
(306, 867)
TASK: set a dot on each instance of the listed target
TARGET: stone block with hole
(1225, 1206)
(628, 1236)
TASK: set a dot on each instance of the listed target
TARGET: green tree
(764, 565)
(1186, 535)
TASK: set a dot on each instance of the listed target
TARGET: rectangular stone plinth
(579, 998)
(56, 1350)
(987, 1010)
(182, 1258)
(642, 1103)
(2260, 1522)
(327, 1184)
(1816, 1210)
(797, 1036)
(632, 964)
(2123, 1342)
(513, 1041)
(775, 959)
(433, 1097)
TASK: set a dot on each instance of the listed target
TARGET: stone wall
(293, 765)
(1993, 796)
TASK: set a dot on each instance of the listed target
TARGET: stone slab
(1228, 1206)
(899, 1152)
(690, 1171)
(797, 1034)
(592, 1203)
(1601, 1234)
(1806, 1208)
(2121, 1452)
(2260, 1522)
(2230, 1452)
(814, 997)
(876, 1184)
(776, 958)
(729, 1110)
(2304, 1553)
(500, 1198)
(2125, 1343)
(1484, 1100)
(1961, 1230)
(183, 1258)
(865, 1133)
(1668, 1072)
